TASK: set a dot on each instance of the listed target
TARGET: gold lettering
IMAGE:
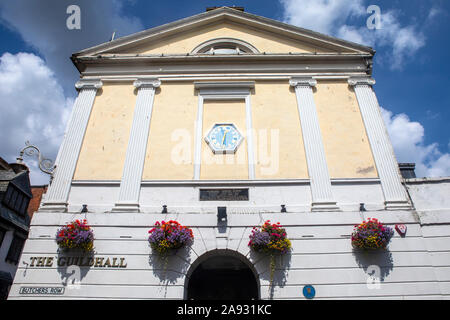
(114, 265)
(49, 262)
(32, 261)
(107, 263)
(40, 261)
(98, 262)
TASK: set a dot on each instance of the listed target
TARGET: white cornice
(248, 56)
(194, 68)
(196, 182)
(427, 180)
(179, 63)
(224, 85)
(224, 77)
(347, 181)
(219, 90)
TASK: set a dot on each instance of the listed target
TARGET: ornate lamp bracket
(45, 165)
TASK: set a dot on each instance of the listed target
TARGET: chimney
(233, 7)
(18, 167)
(407, 170)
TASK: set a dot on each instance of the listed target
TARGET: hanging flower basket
(169, 235)
(270, 239)
(76, 235)
(371, 235)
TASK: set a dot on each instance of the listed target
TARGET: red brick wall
(37, 192)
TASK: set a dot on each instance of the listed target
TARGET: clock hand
(224, 135)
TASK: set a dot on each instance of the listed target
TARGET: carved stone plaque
(223, 194)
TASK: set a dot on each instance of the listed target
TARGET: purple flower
(83, 237)
(259, 239)
(156, 236)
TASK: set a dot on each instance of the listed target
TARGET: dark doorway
(222, 278)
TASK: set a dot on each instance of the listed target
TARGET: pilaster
(383, 153)
(322, 197)
(58, 191)
(130, 184)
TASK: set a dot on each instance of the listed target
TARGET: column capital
(147, 83)
(88, 84)
(368, 81)
(302, 81)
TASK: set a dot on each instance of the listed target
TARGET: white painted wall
(430, 194)
(415, 267)
(265, 196)
(431, 198)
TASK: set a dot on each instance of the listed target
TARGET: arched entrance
(221, 276)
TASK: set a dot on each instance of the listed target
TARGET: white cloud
(440, 167)
(407, 138)
(346, 19)
(320, 15)
(36, 94)
(434, 12)
(42, 24)
(333, 17)
(33, 108)
(403, 41)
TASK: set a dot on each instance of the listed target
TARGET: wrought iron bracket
(45, 165)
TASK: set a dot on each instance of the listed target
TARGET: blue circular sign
(309, 292)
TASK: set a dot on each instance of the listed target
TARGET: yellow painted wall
(278, 144)
(187, 41)
(278, 141)
(105, 143)
(219, 166)
(347, 148)
(170, 147)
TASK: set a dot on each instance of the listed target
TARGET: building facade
(229, 112)
(15, 195)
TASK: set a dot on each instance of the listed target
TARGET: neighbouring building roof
(18, 175)
(35, 202)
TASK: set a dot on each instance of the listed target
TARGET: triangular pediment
(186, 41)
(266, 35)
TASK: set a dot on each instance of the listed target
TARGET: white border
(223, 91)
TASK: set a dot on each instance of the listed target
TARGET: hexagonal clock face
(224, 138)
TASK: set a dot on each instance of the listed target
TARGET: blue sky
(411, 65)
